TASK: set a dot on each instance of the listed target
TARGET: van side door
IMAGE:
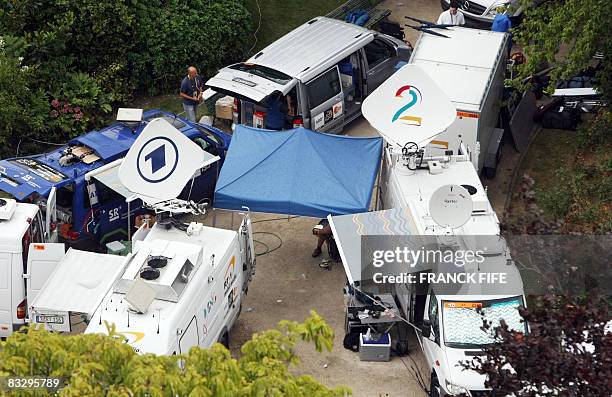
(247, 251)
(326, 101)
(381, 57)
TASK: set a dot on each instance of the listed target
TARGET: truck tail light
(258, 119)
(236, 110)
(21, 309)
(297, 121)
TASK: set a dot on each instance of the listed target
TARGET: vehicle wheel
(434, 386)
(224, 340)
(489, 172)
(445, 5)
(402, 348)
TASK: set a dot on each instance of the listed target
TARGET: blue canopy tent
(298, 172)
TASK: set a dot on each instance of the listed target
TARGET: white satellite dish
(451, 206)
(161, 162)
(409, 107)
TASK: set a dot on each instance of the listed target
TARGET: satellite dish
(451, 206)
(161, 162)
(409, 107)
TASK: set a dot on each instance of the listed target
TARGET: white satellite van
(181, 286)
(434, 198)
(26, 261)
(474, 82)
(196, 278)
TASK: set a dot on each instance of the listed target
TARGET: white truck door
(140, 234)
(51, 216)
(42, 260)
(431, 345)
(247, 251)
(7, 302)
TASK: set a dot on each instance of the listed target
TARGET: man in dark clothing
(276, 115)
(323, 231)
(191, 93)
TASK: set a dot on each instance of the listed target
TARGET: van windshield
(262, 71)
(463, 320)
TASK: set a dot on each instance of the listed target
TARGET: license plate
(50, 319)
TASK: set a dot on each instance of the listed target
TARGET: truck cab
(56, 181)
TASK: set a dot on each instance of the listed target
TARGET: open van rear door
(252, 82)
(247, 249)
(42, 260)
(51, 216)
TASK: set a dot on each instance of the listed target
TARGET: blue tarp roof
(298, 172)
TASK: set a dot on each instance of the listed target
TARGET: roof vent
(149, 273)
(312, 21)
(157, 262)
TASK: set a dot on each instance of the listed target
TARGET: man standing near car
(452, 16)
(191, 93)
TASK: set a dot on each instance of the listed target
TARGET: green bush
(203, 33)
(24, 111)
(101, 365)
(85, 56)
(596, 132)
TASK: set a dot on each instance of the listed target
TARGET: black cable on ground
(264, 244)
(276, 219)
(268, 250)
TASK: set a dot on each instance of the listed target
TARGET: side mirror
(426, 328)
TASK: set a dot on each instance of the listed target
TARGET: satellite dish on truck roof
(409, 107)
(161, 162)
(451, 206)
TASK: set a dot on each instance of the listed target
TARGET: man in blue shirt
(502, 23)
(276, 114)
(191, 93)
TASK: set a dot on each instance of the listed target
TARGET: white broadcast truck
(22, 248)
(439, 202)
(183, 283)
(470, 67)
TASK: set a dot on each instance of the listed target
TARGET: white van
(22, 247)
(197, 293)
(325, 67)
(484, 11)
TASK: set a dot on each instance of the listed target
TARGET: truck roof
(461, 72)
(13, 229)
(417, 188)
(166, 314)
(23, 176)
(312, 47)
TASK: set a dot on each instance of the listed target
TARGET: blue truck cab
(78, 220)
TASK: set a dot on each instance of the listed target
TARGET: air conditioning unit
(7, 208)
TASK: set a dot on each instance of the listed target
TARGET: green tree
(566, 34)
(99, 365)
(22, 109)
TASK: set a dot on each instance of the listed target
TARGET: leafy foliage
(99, 365)
(567, 351)
(22, 109)
(565, 34)
(93, 55)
